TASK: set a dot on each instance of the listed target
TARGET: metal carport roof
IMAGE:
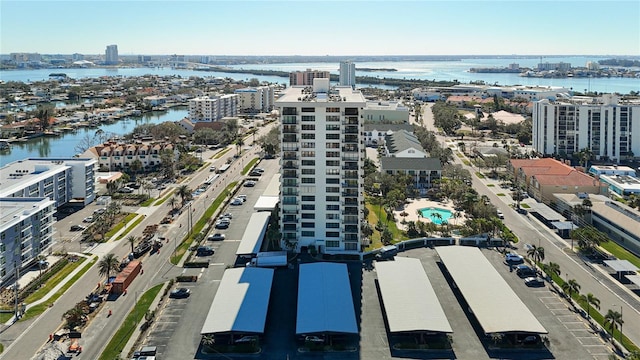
(325, 303)
(634, 279)
(621, 265)
(409, 300)
(241, 302)
(495, 305)
(251, 241)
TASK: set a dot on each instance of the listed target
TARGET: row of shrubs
(47, 274)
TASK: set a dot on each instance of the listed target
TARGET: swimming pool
(430, 212)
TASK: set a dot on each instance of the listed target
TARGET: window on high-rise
(333, 110)
(308, 109)
(332, 234)
(332, 136)
(308, 198)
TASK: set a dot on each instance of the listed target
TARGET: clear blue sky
(419, 27)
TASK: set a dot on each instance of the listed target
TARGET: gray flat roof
(325, 303)
(409, 300)
(254, 232)
(273, 189)
(618, 214)
(544, 211)
(495, 305)
(266, 203)
(621, 265)
(634, 279)
(241, 302)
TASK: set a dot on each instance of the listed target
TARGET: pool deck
(413, 205)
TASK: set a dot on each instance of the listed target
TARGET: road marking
(218, 264)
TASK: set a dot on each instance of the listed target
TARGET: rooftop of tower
(322, 94)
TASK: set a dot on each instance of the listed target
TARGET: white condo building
(256, 99)
(111, 55)
(322, 159)
(213, 108)
(26, 230)
(605, 125)
(347, 74)
(63, 180)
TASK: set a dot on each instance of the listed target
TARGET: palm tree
(184, 192)
(136, 165)
(132, 240)
(612, 319)
(172, 202)
(536, 253)
(108, 264)
(553, 268)
(590, 300)
(570, 287)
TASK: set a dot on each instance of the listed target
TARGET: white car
(88, 219)
(242, 197)
(513, 258)
(237, 202)
(500, 214)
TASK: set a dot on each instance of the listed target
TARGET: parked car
(242, 197)
(216, 237)
(227, 216)
(78, 228)
(220, 224)
(525, 271)
(180, 293)
(236, 202)
(126, 190)
(255, 173)
(88, 219)
(250, 183)
(205, 251)
(314, 339)
(513, 259)
(534, 282)
(246, 339)
(99, 211)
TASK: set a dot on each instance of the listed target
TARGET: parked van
(387, 252)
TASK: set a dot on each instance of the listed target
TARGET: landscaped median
(199, 226)
(131, 227)
(249, 166)
(119, 225)
(220, 154)
(165, 198)
(51, 283)
(121, 337)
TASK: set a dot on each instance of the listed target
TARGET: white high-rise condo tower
(322, 158)
(347, 74)
(111, 55)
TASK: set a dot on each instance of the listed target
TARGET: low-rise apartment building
(26, 230)
(119, 156)
(375, 133)
(63, 180)
(386, 112)
(544, 177)
(256, 99)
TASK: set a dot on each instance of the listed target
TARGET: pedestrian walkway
(57, 287)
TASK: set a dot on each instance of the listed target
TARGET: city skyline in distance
(339, 28)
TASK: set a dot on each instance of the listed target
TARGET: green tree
(386, 236)
(553, 268)
(44, 114)
(536, 253)
(185, 194)
(107, 264)
(172, 202)
(590, 300)
(571, 287)
(612, 319)
(132, 241)
(135, 167)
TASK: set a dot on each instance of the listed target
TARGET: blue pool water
(429, 214)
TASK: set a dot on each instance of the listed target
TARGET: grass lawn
(4, 317)
(500, 194)
(398, 235)
(525, 206)
(161, 201)
(491, 185)
(121, 337)
(466, 162)
(248, 167)
(479, 175)
(131, 227)
(220, 154)
(197, 228)
(620, 252)
(53, 281)
(119, 226)
(147, 202)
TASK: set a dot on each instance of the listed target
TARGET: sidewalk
(55, 288)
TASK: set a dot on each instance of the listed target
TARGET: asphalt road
(23, 339)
